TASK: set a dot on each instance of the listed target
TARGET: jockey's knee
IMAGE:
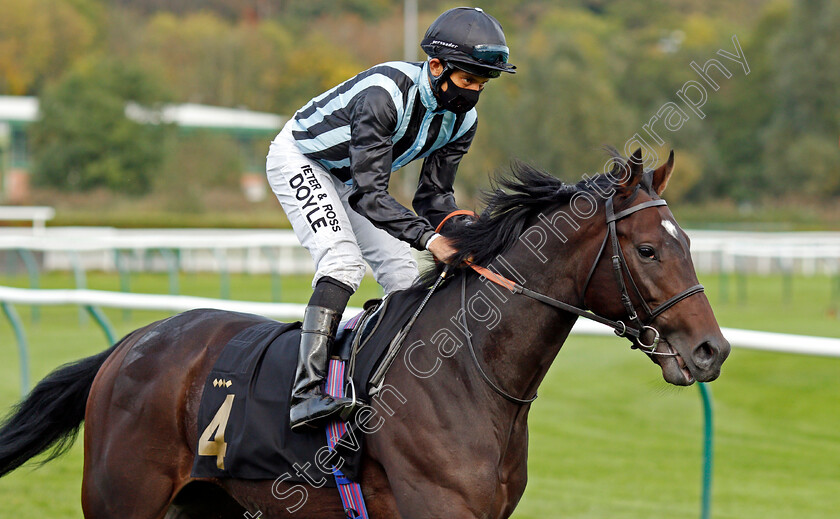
(397, 277)
(342, 264)
(348, 274)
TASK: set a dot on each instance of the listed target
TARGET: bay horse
(456, 446)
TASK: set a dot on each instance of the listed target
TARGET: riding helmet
(469, 39)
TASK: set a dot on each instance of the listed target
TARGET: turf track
(609, 439)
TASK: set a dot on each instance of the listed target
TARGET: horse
(561, 250)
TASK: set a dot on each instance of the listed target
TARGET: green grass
(609, 439)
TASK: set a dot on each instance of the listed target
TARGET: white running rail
(258, 250)
(768, 341)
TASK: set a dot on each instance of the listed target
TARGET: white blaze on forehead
(670, 227)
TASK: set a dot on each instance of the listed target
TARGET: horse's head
(667, 297)
(632, 268)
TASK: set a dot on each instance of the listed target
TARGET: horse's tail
(50, 416)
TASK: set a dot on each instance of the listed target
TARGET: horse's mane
(513, 200)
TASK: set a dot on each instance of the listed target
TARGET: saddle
(243, 419)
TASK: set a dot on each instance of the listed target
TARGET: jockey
(330, 166)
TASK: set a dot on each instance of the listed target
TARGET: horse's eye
(647, 251)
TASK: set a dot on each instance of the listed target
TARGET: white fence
(101, 298)
(278, 251)
(805, 253)
(194, 250)
(38, 215)
(778, 342)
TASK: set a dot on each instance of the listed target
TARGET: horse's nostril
(704, 354)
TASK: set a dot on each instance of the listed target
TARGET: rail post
(172, 265)
(31, 265)
(274, 268)
(103, 323)
(224, 275)
(708, 451)
(23, 351)
(124, 270)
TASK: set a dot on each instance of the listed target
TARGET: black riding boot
(310, 405)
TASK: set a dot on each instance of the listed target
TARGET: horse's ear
(662, 174)
(635, 167)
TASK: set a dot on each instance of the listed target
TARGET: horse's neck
(517, 348)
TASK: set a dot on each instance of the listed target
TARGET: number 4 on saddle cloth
(243, 419)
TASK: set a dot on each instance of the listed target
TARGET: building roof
(23, 109)
(18, 108)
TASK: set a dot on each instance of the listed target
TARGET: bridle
(620, 268)
(619, 264)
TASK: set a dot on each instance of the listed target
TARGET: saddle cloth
(243, 418)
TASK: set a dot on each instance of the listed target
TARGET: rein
(620, 268)
(484, 375)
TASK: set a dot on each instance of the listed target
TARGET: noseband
(619, 265)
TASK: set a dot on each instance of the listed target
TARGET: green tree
(310, 68)
(740, 112)
(200, 162)
(560, 107)
(800, 148)
(85, 140)
(262, 65)
(39, 40)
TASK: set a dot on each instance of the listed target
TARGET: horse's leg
(141, 415)
(431, 475)
(129, 447)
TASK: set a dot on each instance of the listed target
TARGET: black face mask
(456, 99)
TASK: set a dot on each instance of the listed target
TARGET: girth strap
(350, 491)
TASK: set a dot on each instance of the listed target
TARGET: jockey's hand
(442, 249)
